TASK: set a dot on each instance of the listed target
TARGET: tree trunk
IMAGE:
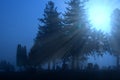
(117, 61)
(53, 65)
(49, 64)
(73, 63)
(77, 62)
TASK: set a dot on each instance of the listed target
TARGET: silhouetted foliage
(115, 39)
(49, 39)
(21, 56)
(70, 40)
(6, 66)
(77, 30)
(98, 43)
(96, 67)
(90, 66)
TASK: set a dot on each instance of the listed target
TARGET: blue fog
(18, 24)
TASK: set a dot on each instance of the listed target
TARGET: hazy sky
(18, 23)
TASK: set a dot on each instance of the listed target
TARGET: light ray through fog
(21, 16)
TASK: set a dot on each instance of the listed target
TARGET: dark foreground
(61, 75)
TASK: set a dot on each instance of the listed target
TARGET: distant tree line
(6, 66)
(68, 38)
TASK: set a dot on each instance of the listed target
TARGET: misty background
(19, 24)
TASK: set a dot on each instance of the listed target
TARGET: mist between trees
(64, 41)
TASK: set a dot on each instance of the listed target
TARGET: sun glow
(100, 18)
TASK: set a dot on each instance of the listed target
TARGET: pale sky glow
(99, 15)
(100, 18)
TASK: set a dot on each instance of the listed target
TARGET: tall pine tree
(115, 42)
(75, 23)
(49, 37)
